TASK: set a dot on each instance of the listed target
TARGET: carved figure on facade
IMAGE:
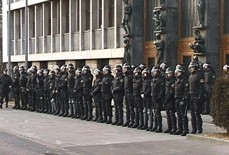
(200, 6)
(159, 20)
(127, 57)
(127, 17)
(198, 45)
(160, 45)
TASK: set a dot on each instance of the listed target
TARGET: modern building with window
(90, 32)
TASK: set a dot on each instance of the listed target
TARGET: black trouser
(171, 118)
(98, 106)
(71, 102)
(78, 106)
(6, 96)
(148, 114)
(196, 110)
(130, 115)
(157, 106)
(40, 100)
(64, 102)
(32, 99)
(87, 105)
(138, 109)
(16, 95)
(47, 104)
(182, 119)
(118, 104)
(23, 97)
(106, 105)
(207, 103)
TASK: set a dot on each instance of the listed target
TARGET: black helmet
(146, 72)
(46, 72)
(142, 66)
(85, 69)
(126, 67)
(63, 68)
(106, 69)
(78, 71)
(40, 72)
(70, 66)
(163, 66)
(137, 70)
(169, 70)
(97, 72)
(15, 69)
(155, 71)
(118, 68)
(21, 68)
(193, 64)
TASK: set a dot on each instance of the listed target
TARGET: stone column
(93, 22)
(137, 32)
(171, 32)
(212, 39)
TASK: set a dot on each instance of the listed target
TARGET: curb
(206, 139)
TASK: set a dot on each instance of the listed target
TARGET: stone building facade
(89, 32)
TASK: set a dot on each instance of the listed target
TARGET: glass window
(87, 14)
(111, 13)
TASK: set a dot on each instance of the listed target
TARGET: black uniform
(16, 89)
(118, 95)
(106, 86)
(157, 94)
(138, 101)
(78, 93)
(5, 87)
(96, 94)
(32, 86)
(170, 105)
(87, 85)
(23, 92)
(181, 104)
(196, 92)
(63, 90)
(71, 97)
(147, 102)
(128, 86)
(47, 99)
(209, 79)
(40, 93)
(52, 90)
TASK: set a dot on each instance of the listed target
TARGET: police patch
(201, 80)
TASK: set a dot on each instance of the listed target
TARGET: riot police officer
(47, 104)
(118, 95)
(181, 100)
(106, 86)
(52, 92)
(196, 93)
(96, 94)
(15, 87)
(78, 93)
(87, 78)
(147, 100)
(22, 85)
(31, 87)
(138, 102)
(157, 94)
(209, 79)
(170, 101)
(57, 95)
(63, 91)
(128, 86)
(5, 87)
(71, 83)
(40, 91)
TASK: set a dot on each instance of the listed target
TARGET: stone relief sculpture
(127, 57)
(200, 6)
(126, 17)
(160, 44)
(159, 20)
(198, 45)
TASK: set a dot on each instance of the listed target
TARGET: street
(24, 132)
